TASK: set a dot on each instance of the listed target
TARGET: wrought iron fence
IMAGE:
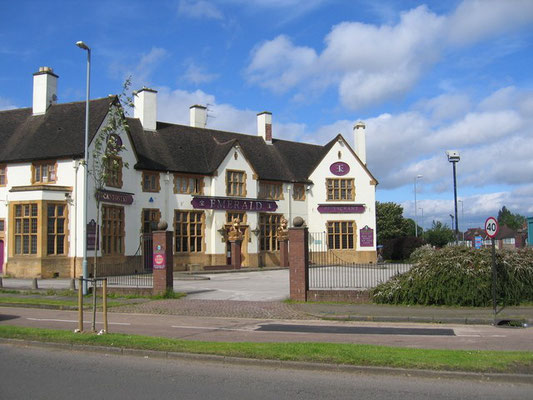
(331, 268)
(136, 271)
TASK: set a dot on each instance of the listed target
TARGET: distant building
(195, 178)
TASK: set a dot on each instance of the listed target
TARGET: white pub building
(195, 178)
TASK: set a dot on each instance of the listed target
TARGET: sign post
(491, 229)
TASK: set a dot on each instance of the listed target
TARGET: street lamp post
(416, 216)
(422, 223)
(462, 217)
(85, 268)
(454, 157)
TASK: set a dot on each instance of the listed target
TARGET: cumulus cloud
(369, 63)
(199, 9)
(197, 74)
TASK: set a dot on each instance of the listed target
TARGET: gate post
(299, 260)
(283, 238)
(163, 260)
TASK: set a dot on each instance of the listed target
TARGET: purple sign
(366, 236)
(339, 168)
(225, 203)
(92, 240)
(341, 208)
(110, 196)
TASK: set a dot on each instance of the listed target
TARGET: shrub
(460, 276)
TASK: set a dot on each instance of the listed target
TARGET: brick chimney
(359, 140)
(44, 90)
(264, 126)
(145, 108)
(198, 116)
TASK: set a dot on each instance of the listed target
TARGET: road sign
(491, 227)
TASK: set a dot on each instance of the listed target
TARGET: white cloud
(199, 9)
(6, 104)
(197, 74)
(369, 63)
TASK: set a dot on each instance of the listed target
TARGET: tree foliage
(513, 221)
(439, 235)
(390, 223)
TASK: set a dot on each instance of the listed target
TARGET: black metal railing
(331, 268)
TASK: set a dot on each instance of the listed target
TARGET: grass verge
(334, 353)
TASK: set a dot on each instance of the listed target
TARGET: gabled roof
(59, 133)
(181, 148)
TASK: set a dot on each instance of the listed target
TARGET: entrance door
(245, 237)
(1, 256)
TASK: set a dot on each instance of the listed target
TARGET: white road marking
(468, 335)
(76, 321)
(211, 328)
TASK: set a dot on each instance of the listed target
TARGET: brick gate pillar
(298, 260)
(163, 260)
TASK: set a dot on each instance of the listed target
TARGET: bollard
(34, 284)
(73, 284)
(104, 303)
(80, 305)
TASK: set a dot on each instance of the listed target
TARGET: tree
(390, 223)
(439, 235)
(513, 221)
(411, 228)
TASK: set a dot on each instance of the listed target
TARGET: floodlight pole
(416, 215)
(85, 268)
(453, 157)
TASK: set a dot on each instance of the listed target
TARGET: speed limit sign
(491, 227)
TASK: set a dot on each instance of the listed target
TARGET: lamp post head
(453, 155)
(82, 45)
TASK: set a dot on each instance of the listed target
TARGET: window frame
(187, 238)
(34, 237)
(230, 173)
(113, 174)
(153, 212)
(56, 234)
(2, 225)
(344, 238)
(332, 188)
(37, 166)
(198, 184)
(111, 230)
(269, 190)
(268, 228)
(294, 192)
(155, 185)
(3, 175)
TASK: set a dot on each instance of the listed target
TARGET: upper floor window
(188, 184)
(2, 225)
(151, 181)
(44, 172)
(3, 175)
(113, 171)
(271, 190)
(299, 192)
(235, 183)
(150, 219)
(340, 189)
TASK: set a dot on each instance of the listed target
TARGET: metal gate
(332, 269)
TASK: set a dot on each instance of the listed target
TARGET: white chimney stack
(360, 144)
(145, 108)
(44, 90)
(198, 116)
(264, 126)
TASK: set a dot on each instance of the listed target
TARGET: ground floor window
(268, 226)
(56, 229)
(26, 228)
(150, 219)
(341, 235)
(112, 230)
(188, 231)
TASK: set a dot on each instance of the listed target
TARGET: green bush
(460, 276)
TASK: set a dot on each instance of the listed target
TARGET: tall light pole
(421, 209)
(453, 157)
(85, 268)
(416, 215)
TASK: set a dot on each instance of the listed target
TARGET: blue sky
(425, 77)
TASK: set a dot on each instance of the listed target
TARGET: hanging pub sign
(366, 237)
(226, 203)
(341, 208)
(339, 168)
(111, 196)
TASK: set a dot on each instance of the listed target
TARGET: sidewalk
(301, 311)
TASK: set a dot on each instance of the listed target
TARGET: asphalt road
(36, 373)
(468, 337)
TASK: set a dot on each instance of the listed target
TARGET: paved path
(470, 337)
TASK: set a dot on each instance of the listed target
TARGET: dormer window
(44, 172)
(235, 183)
